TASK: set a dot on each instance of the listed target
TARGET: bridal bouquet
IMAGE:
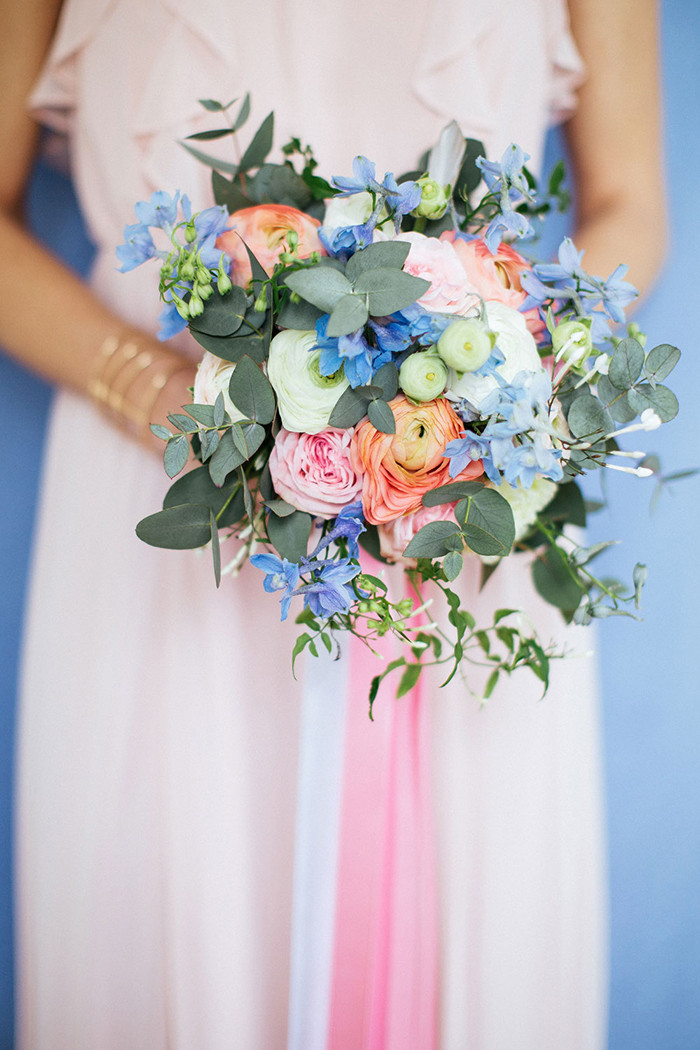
(383, 369)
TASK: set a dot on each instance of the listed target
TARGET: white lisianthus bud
(433, 200)
(572, 339)
(466, 345)
(423, 376)
(212, 378)
(305, 397)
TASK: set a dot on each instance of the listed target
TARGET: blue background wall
(650, 677)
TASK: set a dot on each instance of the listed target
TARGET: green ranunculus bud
(572, 337)
(466, 345)
(223, 283)
(423, 376)
(196, 306)
(187, 268)
(433, 200)
(190, 232)
(204, 291)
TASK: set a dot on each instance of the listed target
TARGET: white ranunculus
(212, 378)
(305, 397)
(515, 343)
(350, 211)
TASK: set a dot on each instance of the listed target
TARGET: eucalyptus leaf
(626, 364)
(239, 439)
(554, 582)
(250, 391)
(349, 409)
(280, 507)
(261, 145)
(228, 192)
(661, 361)
(203, 136)
(204, 414)
(663, 401)
(177, 452)
(219, 409)
(392, 254)
(432, 540)
(489, 527)
(159, 431)
(225, 459)
(451, 493)
(349, 313)
(177, 528)
(209, 441)
(243, 113)
(616, 401)
(452, 565)
(228, 348)
(321, 285)
(302, 315)
(210, 161)
(215, 547)
(290, 535)
(387, 377)
(587, 418)
(381, 417)
(223, 314)
(389, 290)
(213, 106)
(196, 486)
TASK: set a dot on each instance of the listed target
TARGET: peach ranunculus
(395, 536)
(495, 277)
(398, 469)
(264, 228)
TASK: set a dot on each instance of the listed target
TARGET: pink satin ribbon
(384, 986)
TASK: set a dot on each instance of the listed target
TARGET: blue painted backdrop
(651, 693)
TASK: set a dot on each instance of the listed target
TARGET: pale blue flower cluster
(508, 180)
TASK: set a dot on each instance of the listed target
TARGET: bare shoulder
(27, 29)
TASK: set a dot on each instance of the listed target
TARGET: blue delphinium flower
(567, 280)
(348, 525)
(359, 359)
(160, 210)
(524, 462)
(507, 179)
(330, 591)
(170, 321)
(282, 575)
(507, 222)
(365, 180)
(399, 199)
(138, 247)
(344, 241)
(465, 450)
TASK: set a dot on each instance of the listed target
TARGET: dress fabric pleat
(211, 853)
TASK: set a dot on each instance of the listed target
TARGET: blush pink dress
(212, 854)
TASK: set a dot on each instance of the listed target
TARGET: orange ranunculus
(264, 228)
(398, 469)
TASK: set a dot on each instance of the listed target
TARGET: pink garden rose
(264, 228)
(313, 471)
(395, 536)
(495, 277)
(437, 261)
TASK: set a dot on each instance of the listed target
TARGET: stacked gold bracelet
(119, 364)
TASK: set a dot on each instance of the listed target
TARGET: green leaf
(349, 409)
(211, 162)
(215, 547)
(302, 316)
(223, 314)
(239, 439)
(387, 377)
(587, 417)
(226, 458)
(660, 398)
(349, 313)
(204, 414)
(177, 528)
(177, 452)
(209, 442)
(451, 493)
(381, 417)
(616, 402)
(568, 505)
(626, 364)
(279, 184)
(408, 679)
(299, 646)
(243, 113)
(469, 175)
(391, 254)
(491, 683)
(389, 290)
(432, 541)
(261, 145)
(452, 565)
(203, 136)
(213, 106)
(160, 431)
(661, 361)
(280, 507)
(556, 178)
(251, 392)
(228, 192)
(489, 528)
(290, 535)
(321, 285)
(554, 583)
(219, 410)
